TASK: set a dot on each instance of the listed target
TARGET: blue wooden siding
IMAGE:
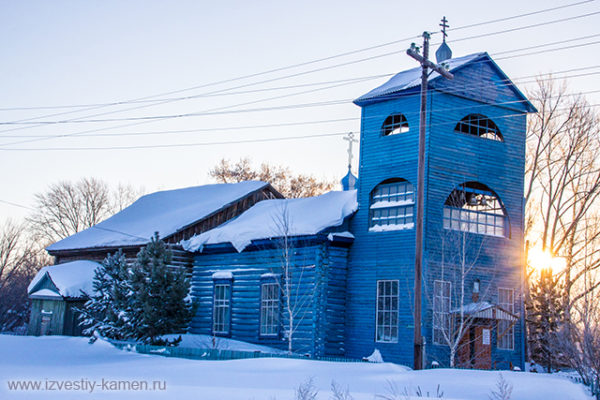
(318, 283)
(451, 159)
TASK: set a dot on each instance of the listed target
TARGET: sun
(540, 260)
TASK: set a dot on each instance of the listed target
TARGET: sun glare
(540, 260)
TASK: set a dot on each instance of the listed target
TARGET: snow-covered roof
(164, 212)
(484, 309)
(412, 78)
(70, 279)
(277, 218)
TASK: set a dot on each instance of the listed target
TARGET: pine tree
(545, 318)
(160, 303)
(105, 312)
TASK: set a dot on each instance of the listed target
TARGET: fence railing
(216, 354)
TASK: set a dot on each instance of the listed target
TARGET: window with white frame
(506, 331)
(479, 125)
(387, 311)
(269, 309)
(394, 124)
(473, 207)
(392, 206)
(222, 308)
(442, 318)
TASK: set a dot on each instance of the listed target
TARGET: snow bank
(412, 78)
(69, 358)
(164, 212)
(276, 218)
(196, 341)
(69, 278)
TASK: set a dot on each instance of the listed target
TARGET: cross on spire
(351, 140)
(444, 25)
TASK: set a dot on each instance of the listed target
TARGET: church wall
(382, 255)
(451, 159)
(455, 158)
(318, 282)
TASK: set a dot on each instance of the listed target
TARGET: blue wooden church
(333, 275)
(352, 279)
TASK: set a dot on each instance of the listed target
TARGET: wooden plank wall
(452, 159)
(318, 273)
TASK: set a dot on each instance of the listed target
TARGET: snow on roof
(45, 293)
(412, 78)
(164, 212)
(69, 278)
(272, 218)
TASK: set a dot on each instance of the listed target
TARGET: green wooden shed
(56, 292)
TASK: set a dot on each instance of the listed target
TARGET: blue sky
(73, 52)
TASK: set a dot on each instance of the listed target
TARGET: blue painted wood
(318, 287)
(451, 159)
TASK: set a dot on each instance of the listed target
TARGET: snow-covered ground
(56, 360)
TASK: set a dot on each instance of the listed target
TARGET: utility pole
(425, 65)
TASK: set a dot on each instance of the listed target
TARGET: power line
(209, 112)
(493, 21)
(314, 61)
(520, 28)
(246, 141)
(324, 121)
(311, 62)
(171, 145)
(16, 205)
(286, 124)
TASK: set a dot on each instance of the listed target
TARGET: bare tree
(20, 259)
(66, 207)
(460, 254)
(562, 184)
(580, 343)
(292, 278)
(289, 184)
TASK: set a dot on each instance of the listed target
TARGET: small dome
(349, 181)
(443, 53)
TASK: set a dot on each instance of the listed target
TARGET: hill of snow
(61, 359)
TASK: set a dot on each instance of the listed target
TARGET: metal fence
(215, 354)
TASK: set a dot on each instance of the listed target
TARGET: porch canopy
(485, 310)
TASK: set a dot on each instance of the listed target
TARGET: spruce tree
(545, 318)
(105, 311)
(160, 303)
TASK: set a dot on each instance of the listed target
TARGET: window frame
(469, 125)
(224, 303)
(502, 324)
(274, 305)
(491, 221)
(389, 126)
(392, 204)
(435, 325)
(389, 312)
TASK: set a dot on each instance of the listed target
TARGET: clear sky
(95, 52)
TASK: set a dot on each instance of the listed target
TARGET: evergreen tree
(105, 312)
(545, 318)
(160, 303)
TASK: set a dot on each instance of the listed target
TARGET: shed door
(45, 323)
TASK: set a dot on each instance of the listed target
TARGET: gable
(484, 81)
(476, 77)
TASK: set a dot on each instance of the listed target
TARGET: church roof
(65, 280)
(165, 212)
(278, 218)
(411, 79)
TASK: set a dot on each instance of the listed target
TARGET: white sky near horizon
(70, 52)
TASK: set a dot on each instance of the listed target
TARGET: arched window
(392, 206)
(394, 124)
(473, 207)
(479, 125)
